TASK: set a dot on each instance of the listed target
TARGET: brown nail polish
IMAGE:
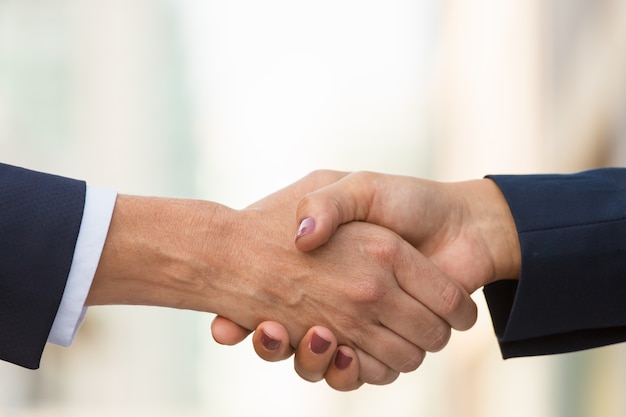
(342, 361)
(269, 342)
(318, 344)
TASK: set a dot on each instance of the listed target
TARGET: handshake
(359, 274)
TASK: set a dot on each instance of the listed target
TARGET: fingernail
(307, 226)
(318, 344)
(342, 361)
(269, 342)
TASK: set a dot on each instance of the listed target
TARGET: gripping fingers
(344, 369)
(318, 357)
(425, 282)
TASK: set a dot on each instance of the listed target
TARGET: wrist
(499, 232)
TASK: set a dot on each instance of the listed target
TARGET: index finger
(428, 284)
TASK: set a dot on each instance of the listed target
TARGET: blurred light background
(230, 100)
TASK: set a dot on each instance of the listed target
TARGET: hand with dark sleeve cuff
(549, 250)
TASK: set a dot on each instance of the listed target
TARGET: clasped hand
(384, 288)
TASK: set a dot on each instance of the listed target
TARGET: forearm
(162, 252)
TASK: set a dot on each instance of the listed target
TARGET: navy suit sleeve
(40, 217)
(572, 289)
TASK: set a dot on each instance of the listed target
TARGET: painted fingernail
(307, 226)
(269, 342)
(342, 361)
(318, 344)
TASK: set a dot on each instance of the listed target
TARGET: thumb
(321, 212)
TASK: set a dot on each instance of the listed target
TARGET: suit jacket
(572, 290)
(40, 216)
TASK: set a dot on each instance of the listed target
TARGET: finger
(425, 282)
(391, 349)
(372, 371)
(343, 372)
(227, 332)
(321, 212)
(315, 353)
(415, 322)
(271, 342)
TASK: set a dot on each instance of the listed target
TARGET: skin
(364, 286)
(465, 229)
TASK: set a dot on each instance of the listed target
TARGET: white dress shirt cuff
(99, 203)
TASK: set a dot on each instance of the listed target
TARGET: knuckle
(369, 291)
(382, 377)
(437, 338)
(452, 299)
(412, 362)
(319, 173)
(384, 250)
(366, 176)
(305, 202)
(323, 175)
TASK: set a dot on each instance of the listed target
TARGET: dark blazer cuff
(40, 216)
(571, 291)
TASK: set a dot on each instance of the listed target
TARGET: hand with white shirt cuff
(364, 284)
